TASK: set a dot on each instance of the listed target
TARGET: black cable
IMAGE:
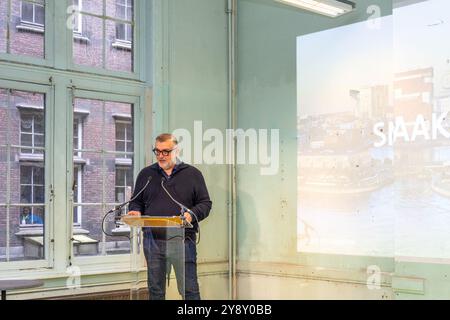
(183, 208)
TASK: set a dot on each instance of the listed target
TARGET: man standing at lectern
(169, 181)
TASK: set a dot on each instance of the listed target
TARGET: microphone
(183, 208)
(118, 208)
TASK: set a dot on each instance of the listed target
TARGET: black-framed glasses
(165, 153)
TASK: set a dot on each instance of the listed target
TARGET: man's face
(169, 161)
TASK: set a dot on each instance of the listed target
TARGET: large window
(103, 171)
(54, 57)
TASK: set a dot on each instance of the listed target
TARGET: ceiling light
(331, 8)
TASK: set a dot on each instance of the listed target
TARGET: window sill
(80, 38)
(124, 45)
(36, 28)
(81, 112)
(79, 160)
(31, 157)
(30, 231)
(29, 107)
(122, 116)
(124, 162)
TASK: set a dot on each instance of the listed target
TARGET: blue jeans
(160, 256)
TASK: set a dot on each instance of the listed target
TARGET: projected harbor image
(374, 136)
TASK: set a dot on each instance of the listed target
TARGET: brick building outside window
(102, 130)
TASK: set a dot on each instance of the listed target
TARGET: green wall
(267, 205)
(191, 85)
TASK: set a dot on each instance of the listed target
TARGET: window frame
(126, 26)
(105, 95)
(78, 27)
(33, 4)
(55, 75)
(48, 230)
(48, 34)
(125, 141)
(33, 134)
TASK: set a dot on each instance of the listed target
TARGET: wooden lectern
(174, 245)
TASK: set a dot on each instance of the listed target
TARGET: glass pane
(26, 123)
(120, 178)
(129, 132)
(39, 15)
(39, 123)
(38, 194)
(38, 176)
(90, 6)
(3, 25)
(77, 211)
(26, 35)
(89, 51)
(129, 11)
(25, 194)
(98, 175)
(3, 234)
(119, 9)
(112, 110)
(119, 48)
(27, 11)
(130, 146)
(129, 176)
(27, 247)
(92, 123)
(3, 177)
(32, 215)
(15, 175)
(26, 175)
(27, 140)
(120, 146)
(92, 178)
(39, 142)
(120, 131)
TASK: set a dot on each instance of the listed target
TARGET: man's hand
(134, 213)
(188, 217)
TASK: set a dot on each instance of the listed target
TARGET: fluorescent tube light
(330, 8)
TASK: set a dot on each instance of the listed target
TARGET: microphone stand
(117, 210)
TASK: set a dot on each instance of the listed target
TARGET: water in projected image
(373, 136)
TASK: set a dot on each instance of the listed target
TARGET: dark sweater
(186, 185)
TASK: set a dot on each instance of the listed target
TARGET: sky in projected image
(331, 62)
(373, 149)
